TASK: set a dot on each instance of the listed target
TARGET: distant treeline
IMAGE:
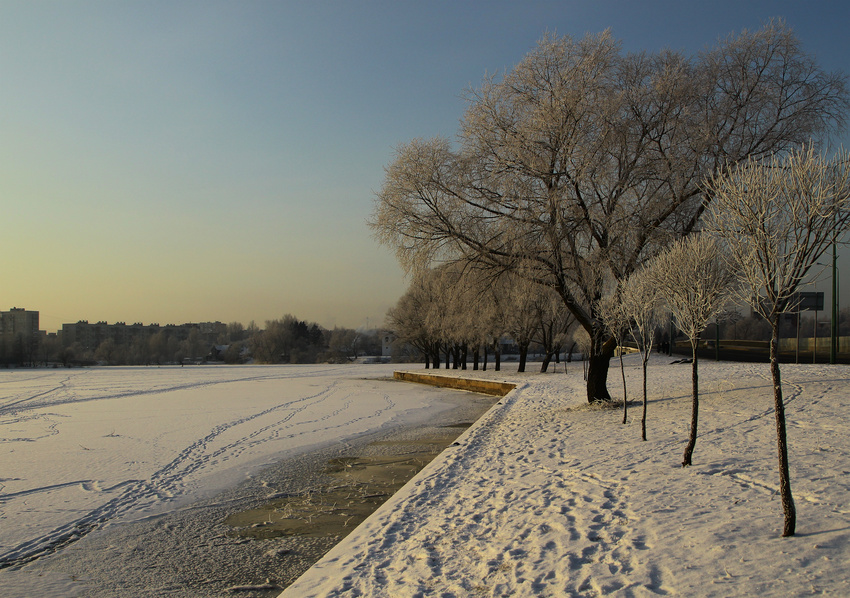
(285, 340)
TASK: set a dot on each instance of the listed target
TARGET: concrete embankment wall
(489, 387)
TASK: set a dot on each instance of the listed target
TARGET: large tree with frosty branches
(582, 162)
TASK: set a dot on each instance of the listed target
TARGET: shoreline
(196, 552)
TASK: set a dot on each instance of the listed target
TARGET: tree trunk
(498, 358)
(547, 357)
(643, 417)
(464, 354)
(692, 439)
(781, 440)
(625, 394)
(523, 356)
(475, 357)
(597, 373)
(484, 365)
(427, 361)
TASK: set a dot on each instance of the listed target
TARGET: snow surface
(84, 449)
(545, 497)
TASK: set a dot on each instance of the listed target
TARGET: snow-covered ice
(545, 497)
(84, 449)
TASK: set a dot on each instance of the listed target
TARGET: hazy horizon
(191, 161)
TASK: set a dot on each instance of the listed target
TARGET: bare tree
(777, 218)
(582, 162)
(693, 279)
(640, 303)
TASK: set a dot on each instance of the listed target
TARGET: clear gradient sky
(183, 161)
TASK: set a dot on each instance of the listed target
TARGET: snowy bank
(546, 497)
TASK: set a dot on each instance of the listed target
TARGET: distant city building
(18, 336)
(387, 340)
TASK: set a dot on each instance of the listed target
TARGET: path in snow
(544, 497)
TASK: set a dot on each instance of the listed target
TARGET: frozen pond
(87, 448)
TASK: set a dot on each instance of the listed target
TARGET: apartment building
(18, 335)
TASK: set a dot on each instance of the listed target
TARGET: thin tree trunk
(427, 361)
(484, 365)
(788, 507)
(692, 439)
(625, 394)
(498, 358)
(475, 357)
(547, 358)
(643, 417)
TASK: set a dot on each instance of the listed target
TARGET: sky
(185, 161)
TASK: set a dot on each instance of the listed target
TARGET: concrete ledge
(488, 387)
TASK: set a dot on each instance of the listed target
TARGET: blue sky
(190, 161)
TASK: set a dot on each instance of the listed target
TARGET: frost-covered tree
(408, 318)
(457, 322)
(776, 218)
(616, 320)
(554, 322)
(446, 310)
(696, 285)
(584, 161)
(520, 302)
(640, 303)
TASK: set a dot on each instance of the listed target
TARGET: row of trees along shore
(453, 314)
(586, 171)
